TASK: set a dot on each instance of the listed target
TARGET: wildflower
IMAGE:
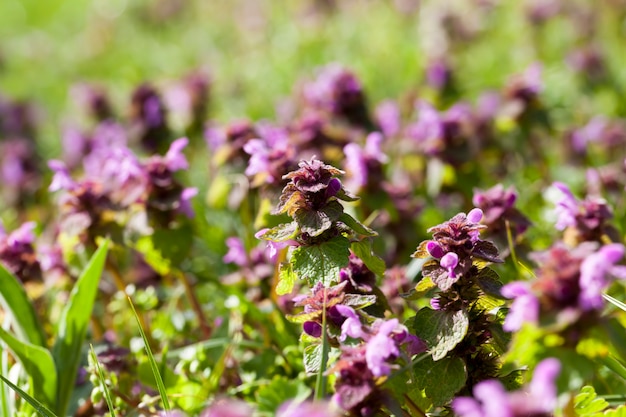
(498, 206)
(17, 253)
(388, 118)
(455, 244)
(271, 155)
(148, 118)
(586, 220)
(306, 409)
(364, 165)
(492, 400)
(227, 408)
(568, 286)
(339, 92)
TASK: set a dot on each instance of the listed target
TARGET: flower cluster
(568, 288)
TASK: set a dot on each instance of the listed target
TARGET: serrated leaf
(316, 222)
(312, 358)
(363, 249)
(441, 330)
(424, 287)
(286, 279)
(73, 326)
(587, 402)
(358, 300)
(356, 225)
(38, 364)
(421, 251)
(281, 233)
(441, 379)
(323, 262)
(489, 282)
(15, 302)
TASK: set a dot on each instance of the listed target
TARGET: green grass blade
(39, 407)
(4, 394)
(617, 303)
(153, 364)
(14, 301)
(73, 326)
(105, 388)
(37, 363)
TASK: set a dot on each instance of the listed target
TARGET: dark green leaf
(441, 330)
(39, 407)
(73, 326)
(441, 379)
(316, 222)
(356, 225)
(489, 281)
(321, 263)
(38, 364)
(286, 279)
(166, 247)
(15, 302)
(363, 249)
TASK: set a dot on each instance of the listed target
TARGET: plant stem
(195, 305)
(320, 384)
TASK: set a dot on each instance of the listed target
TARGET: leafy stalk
(105, 388)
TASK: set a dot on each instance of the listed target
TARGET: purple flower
(428, 131)
(236, 252)
(449, 261)
(61, 180)
(175, 159)
(361, 161)
(227, 408)
(352, 326)
(388, 118)
(594, 272)
(525, 307)
(306, 409)
(438, 74)
(491, 399)
(17, 253)
(381, 348)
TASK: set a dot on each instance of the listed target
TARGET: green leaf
(441, 379)
(152, 361)
(38, 364)
(280, 390)
(316, 222)
(359, 300)
(73, 326)
(15, 302)
(166, 247)
(321, 263)
(489, 282)
(425, 286)
(356, 225)
(587, 403)
(286, 279)
(312, 358)
(441, 330)
(39, 407)
(363, 249)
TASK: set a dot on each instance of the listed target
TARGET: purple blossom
(306, 409)
(591, 132)
(175, 159)
(17, 253)
(61, 180)
(491, 399)
(525, 306)
(388, 118)
(438, 74)
(227, 408)
(449, 261)
(594, 274)
(185, 201)
(352, 327)
(361, 161)
(381, 348)
(428, 131)
(236, 252)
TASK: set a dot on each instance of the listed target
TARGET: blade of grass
(151, 360)
(15, 302)
(614, 365)
(4, 395)
(37, 363)
(320, 383)
(617, 303)
(105, 388)
(73, 326)
(39, 407)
